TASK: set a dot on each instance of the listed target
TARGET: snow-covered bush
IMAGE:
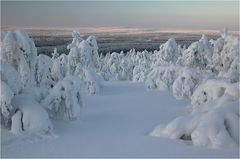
(213, 121)
(162, 77)
(5, 103)
(29, 116)
(64, 100)
(214, 127)
(212, 90)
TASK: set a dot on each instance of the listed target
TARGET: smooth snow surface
(114, 123)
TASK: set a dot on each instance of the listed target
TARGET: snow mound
(29, 116)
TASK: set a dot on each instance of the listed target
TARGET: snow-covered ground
(114, 123)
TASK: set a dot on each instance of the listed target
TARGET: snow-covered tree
(6, 105)
(77, 38)
(19, 50)
(169, 52)
(55, 54)
(60, 67)
(94, 50)
(197, 55)
(162, 77)
(186, 83)
(64, 100)
(43, 72)
(10, 76)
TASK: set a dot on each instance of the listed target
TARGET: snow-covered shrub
(197, 55)
(162, 77)
(216, 127)
(5, 103)
(43, 72)
(10, 76)
(19, 50)
(64, 100)
(186, 83)
(30, 116)
(212, 90)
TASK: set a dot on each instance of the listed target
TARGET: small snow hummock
(33, 117)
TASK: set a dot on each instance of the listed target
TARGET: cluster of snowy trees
(207, 73)
(36, 88)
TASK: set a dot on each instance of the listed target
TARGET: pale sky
(144, 14)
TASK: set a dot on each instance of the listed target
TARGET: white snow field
(114, 123)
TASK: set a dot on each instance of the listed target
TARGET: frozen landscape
(88, 105)
(159, 81)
